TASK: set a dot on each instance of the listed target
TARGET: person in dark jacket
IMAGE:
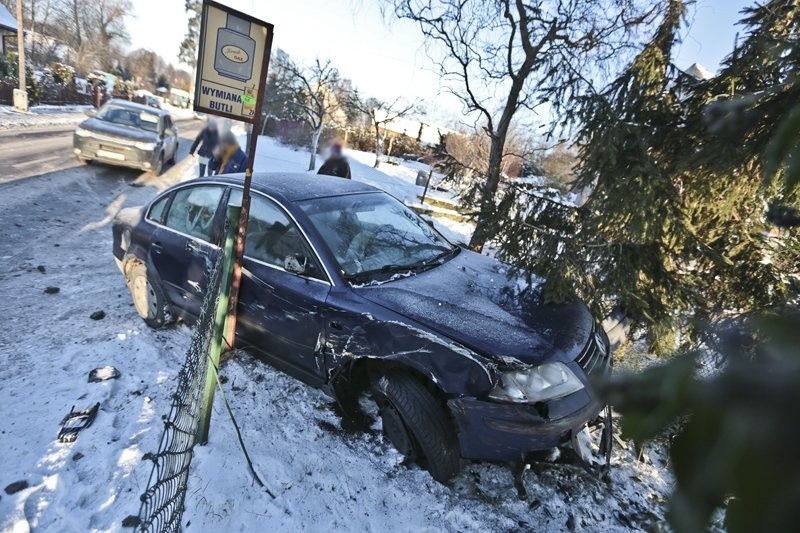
(229, 157)
(336, 164)
(204, 145)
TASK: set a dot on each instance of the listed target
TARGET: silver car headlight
(545, 382)
(144, 146)
(80, 132)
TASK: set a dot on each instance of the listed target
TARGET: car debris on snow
(103, 373)
(17, 486)
(77, 421)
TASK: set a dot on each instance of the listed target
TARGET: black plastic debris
(16, 487)
(98, 315)
(77, 457)
(131, 521)
(51, 290)
(75, 422)
(103, 373)
(41, 269)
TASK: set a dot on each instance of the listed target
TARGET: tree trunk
(389, 148)
(312, 162)
(76, 20)
(378, 145)
(486, 214)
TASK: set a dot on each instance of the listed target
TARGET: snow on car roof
(298, 186)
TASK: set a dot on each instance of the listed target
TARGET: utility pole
(21, 94)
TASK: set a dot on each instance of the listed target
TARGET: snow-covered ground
(43, 115)
(324, 478)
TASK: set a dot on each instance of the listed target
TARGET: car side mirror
(296, 264)
(90, 113)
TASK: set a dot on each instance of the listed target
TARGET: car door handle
(194, 248)
(157, 247)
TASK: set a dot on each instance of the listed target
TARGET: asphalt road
(32, 152)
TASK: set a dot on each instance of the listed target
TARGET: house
(413, 128)
(8, 30)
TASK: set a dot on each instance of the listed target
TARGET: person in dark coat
(229, 157)
(336, 164)
(204, 145)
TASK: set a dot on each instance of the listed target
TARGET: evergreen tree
(674, 233)
(188, 50)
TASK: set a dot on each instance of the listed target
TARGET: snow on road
(325, 478)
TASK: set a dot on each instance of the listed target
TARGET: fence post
(220, 316)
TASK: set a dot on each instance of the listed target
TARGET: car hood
(118, 130)
(484, 305)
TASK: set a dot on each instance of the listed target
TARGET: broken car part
(76, 421)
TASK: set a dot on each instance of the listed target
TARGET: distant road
(29, 152)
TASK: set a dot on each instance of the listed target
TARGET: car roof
(297, 186)
(138, 107)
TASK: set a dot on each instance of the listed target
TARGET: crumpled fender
(453, 368)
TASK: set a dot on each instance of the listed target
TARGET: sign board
(232, 62)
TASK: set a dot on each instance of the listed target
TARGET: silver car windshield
(125, 116)
(374, 233)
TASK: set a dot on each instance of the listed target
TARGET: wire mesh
(162, 503)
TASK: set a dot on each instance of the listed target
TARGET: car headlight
(80, 132)
(144, 146)
(545, 382)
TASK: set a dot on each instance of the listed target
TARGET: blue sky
(385, 57)
(710, 32)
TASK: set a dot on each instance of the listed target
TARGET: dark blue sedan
(348, 290)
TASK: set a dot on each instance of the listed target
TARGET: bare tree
(503, 56)
(380, 114)
(314, 91)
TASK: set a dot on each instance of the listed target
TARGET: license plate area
(108, 154)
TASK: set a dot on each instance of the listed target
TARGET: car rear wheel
(148, 298)
(416, 423)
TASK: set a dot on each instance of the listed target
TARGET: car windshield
(126, 116)
(374, 235)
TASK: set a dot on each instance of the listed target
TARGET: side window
(193, 209)
(156, 213)
(272, 235)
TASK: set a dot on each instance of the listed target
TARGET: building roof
(699, 72)
(7, 21)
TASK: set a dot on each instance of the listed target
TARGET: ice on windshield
(369, 232)
(124, 116)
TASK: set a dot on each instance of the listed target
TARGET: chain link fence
(163, 500)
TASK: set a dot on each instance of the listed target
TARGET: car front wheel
(416, 423)
(148, 298)
(159, 168)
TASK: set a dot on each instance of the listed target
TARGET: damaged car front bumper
(497, 431)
